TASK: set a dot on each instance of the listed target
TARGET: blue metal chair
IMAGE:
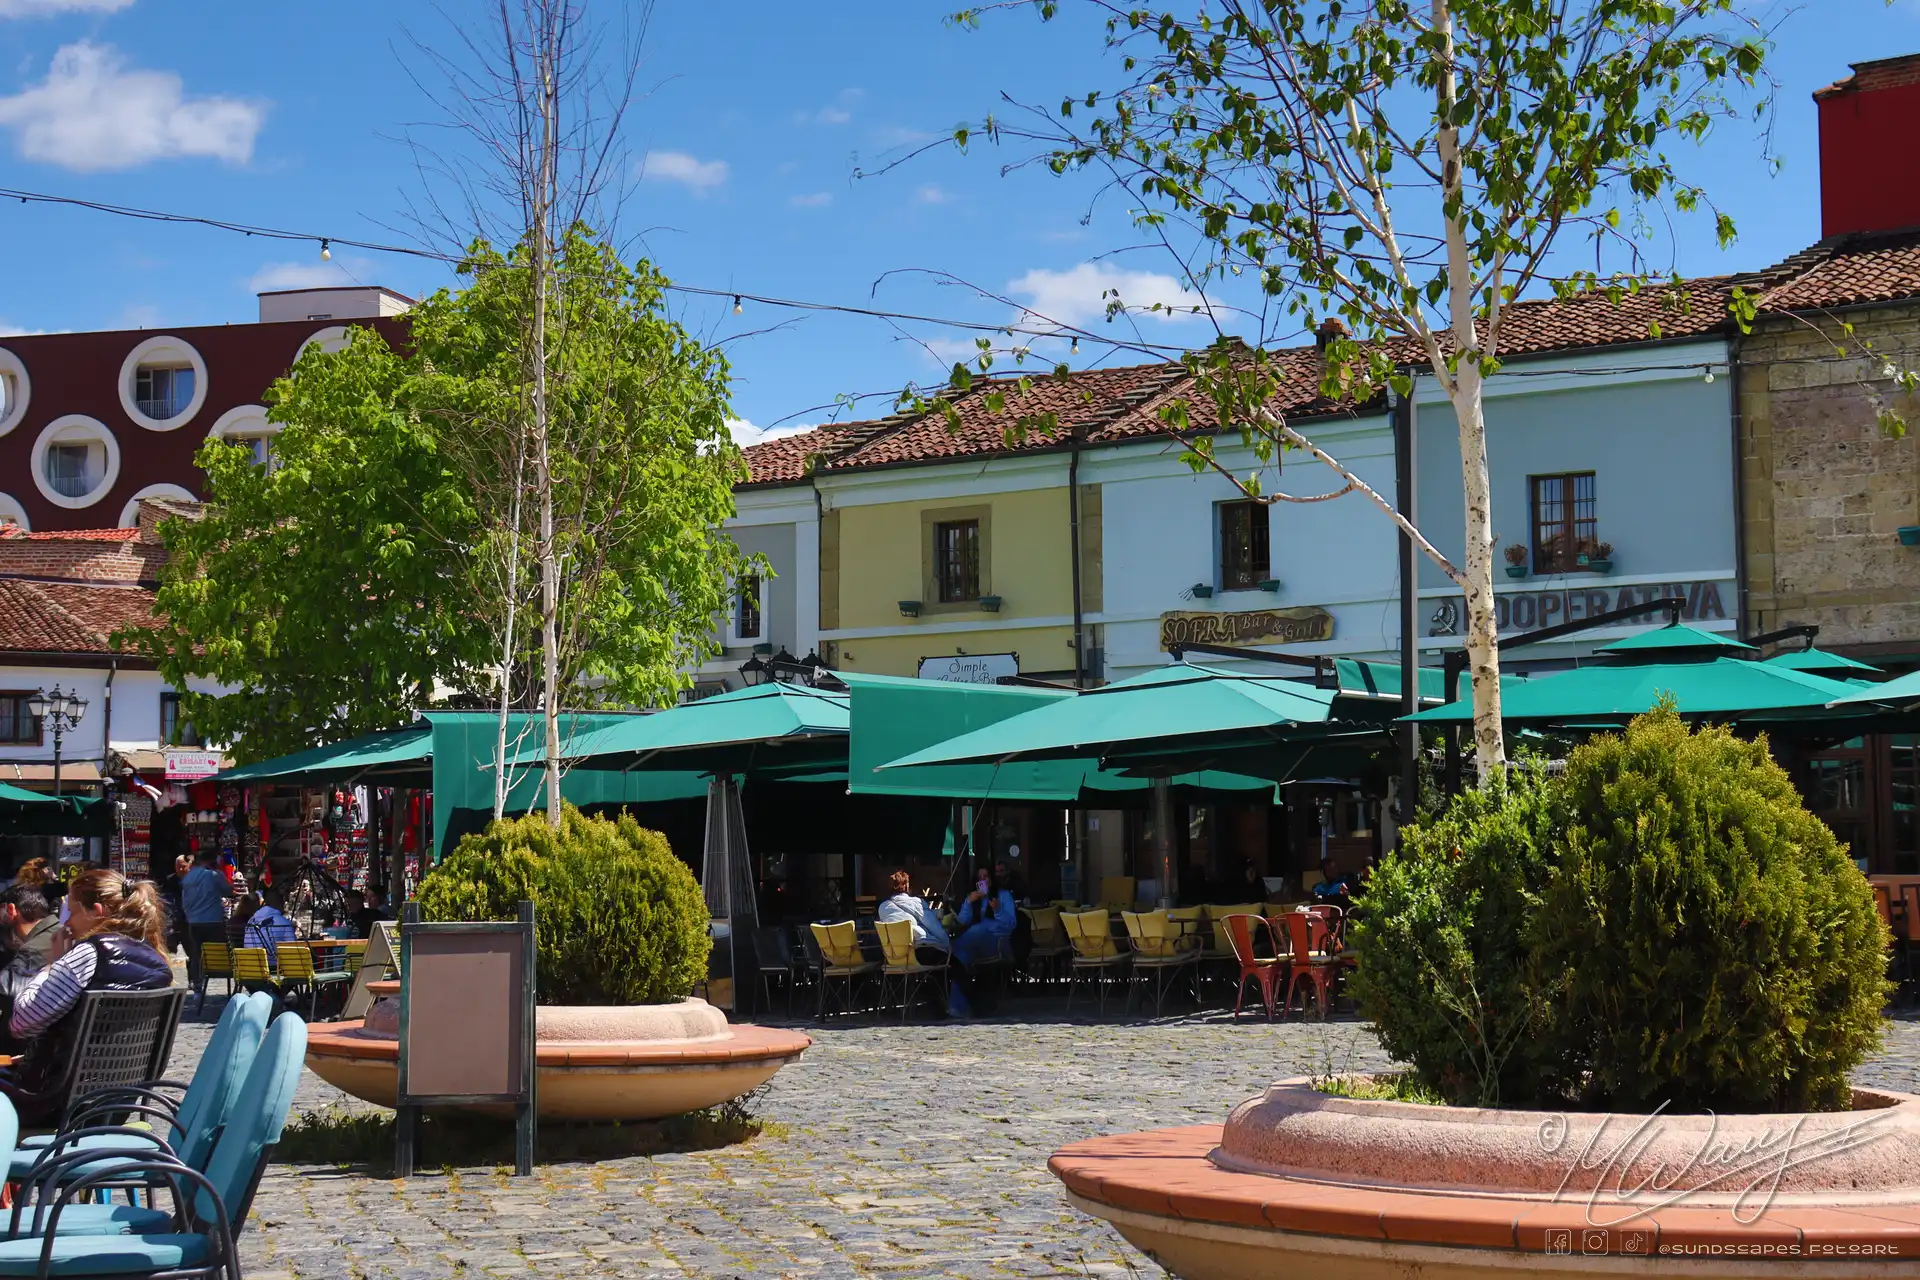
(209, 1208)
(184, 1129)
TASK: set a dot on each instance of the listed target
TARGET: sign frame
(197, 757)
(985, 658)
(524, 934)
(1293, 624)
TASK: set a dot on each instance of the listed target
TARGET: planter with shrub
(1627, 998)
(623, 939)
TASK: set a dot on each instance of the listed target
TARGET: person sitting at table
(267, 927)
(111, 942)
(987, 919)
(26, 925)
(361, 917)
(930, 942)
(243, 908)
(1333, 889)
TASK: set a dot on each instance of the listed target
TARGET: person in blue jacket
(987, 919)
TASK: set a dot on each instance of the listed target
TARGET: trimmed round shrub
(1441, 936)
(1704, 942)
(621, 920)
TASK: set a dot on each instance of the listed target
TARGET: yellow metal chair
(1116, 893)
(1160, 954)
(842, 961)
(252, 971)
(896, 944)
(216, 961)
(300, 972)
(1050, 945)
(1096, 952)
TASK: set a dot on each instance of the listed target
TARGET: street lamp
(60, 710)
(755, 672)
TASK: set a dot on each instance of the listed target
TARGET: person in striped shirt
(111, 942)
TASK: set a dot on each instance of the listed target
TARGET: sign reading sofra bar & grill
(1255, 626)
(1533, 610)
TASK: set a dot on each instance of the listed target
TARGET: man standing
(203, 897)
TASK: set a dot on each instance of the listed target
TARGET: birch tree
(1409, 168)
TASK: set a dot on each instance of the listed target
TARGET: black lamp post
(755, 672)
(61, 711)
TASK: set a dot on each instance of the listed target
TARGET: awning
(21, 796)
(384, 756)
(1180, 705)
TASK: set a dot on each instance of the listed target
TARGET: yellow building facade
(920, 568)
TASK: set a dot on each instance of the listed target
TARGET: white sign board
(971, 668)
(190, 766)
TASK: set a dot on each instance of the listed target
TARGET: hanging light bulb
(737, 308)
(1076, 346)
(1709, 375)
(326, 254)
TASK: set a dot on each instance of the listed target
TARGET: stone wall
(1825, 490)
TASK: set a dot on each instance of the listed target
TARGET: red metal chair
(1243, 938)
(1311, 933)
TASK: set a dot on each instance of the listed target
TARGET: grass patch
(461, 1140)
(1396, 1086)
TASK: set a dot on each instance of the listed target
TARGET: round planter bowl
(1300, 1182)
(636, 1062)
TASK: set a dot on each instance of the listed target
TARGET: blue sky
(755, 117)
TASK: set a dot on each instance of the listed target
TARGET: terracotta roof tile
(1846, 271)
(14, 532)
(68, 617)
(785, 460)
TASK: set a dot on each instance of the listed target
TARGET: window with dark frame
(18, 726)
(956, 560)
(746, 609)
(1564, 520)
(175, 730)
(1246, 558)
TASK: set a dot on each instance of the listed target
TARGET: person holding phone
(987, 919)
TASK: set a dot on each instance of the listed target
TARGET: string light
(326, 254)
(737, 308)
(1076, 346)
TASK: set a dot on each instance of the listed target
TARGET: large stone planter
(1298, 1182)
(638, 1062)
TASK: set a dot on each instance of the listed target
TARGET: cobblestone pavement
(902, 1151)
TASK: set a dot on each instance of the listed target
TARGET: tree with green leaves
(1409, 168)
(356, 579)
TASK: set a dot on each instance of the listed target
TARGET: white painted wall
(135, 719)
(1159, 530)
(794, 602)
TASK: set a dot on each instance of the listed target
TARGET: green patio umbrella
(382, 757)
(1833, 666)
(12, 795)
(1902, 694)
(1180, 704)
(1683, 662)
(771, 725)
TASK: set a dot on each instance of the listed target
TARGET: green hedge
(1662, 923)
(621, 919)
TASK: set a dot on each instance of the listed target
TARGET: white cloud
(308, 275)
(8, 329)
(43, 8)
(745, 433)
(839, 111)
(931, 194)
(698, 176)
(1081, 296)
(811, 200)
(93, 113)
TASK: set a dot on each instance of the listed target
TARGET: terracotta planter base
(667, 1059)
(1299, 1183)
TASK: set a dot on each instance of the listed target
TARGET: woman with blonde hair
(111, 941)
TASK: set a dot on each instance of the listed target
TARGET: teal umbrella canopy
(1180, 705)
(1612, 693)
(395, 757)
(1675, 641)
(767, 725)
(11, 795)
(1834, 666)
(1902, 693)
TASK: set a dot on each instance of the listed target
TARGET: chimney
(1329, 331)
(1869, 166)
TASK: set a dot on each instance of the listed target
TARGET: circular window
(11, 512)
(15, 389)
(75, 461)
(163, 383)
(330, 339)
(130, 514)
(247, 424)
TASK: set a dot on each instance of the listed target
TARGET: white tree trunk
(1483, 630)
(540, 272)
